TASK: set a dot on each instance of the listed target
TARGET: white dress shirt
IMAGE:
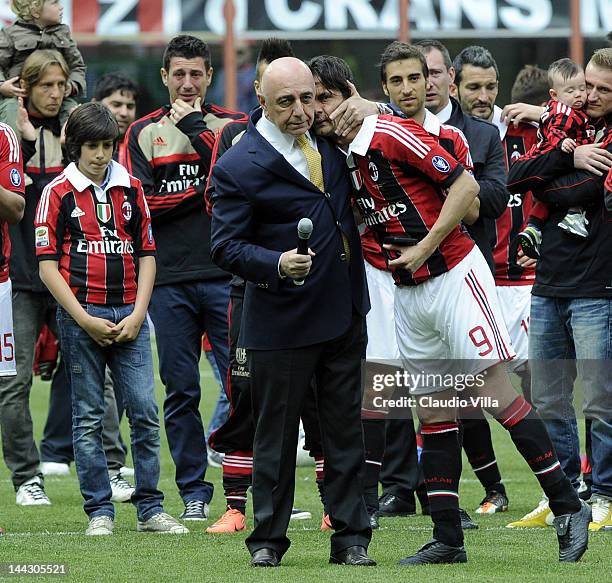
(444, 114)
(286, 145)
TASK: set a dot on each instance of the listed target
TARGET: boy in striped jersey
(563, 125)
(96, 255)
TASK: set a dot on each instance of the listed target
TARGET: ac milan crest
(373, 171)
(126, 210)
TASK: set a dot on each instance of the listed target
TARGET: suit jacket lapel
(266, 156)
(329, 157)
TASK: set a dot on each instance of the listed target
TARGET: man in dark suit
(263, 186)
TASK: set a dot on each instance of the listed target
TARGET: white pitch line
(305, 529)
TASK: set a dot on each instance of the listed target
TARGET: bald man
(304, 314)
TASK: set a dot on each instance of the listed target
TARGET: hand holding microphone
(297, 262)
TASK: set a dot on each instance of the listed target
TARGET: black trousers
(238, 431)
(401, 473)
(281, 381)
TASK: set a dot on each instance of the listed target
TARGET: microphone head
(304, 228)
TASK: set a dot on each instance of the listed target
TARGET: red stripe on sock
(320, 467)
(439, 428)
(515, 413)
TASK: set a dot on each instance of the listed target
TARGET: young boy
(96, 251)
(563, 125)
(38, 26)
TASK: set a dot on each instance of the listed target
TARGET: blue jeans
(577, 335)
(181, 314)
(131, 365)
(221, 412)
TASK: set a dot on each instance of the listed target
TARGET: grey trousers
(30, 312)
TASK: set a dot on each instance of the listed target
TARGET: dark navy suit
(293, 333)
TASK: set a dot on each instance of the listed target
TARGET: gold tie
(313, 159)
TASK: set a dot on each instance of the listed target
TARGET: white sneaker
(100, 526)
(162, 523)
(602, 514)
(215, 459)
(32, 493)
(127, 472)
(121, 488)
(297, 514)
(54, 469)
(575, 223)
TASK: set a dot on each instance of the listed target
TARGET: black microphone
(304, 230)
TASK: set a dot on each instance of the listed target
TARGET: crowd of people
(447, 239)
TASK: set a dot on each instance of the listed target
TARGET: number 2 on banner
(7, 350)
(479, 337)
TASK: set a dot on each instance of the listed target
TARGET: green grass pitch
(55, 534)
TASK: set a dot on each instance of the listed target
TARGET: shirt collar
(445, 113)
(361, 142)
(431, 124)
(116, 175)
(496, 120)
(272, 133)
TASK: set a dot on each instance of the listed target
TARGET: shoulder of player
(9, 139)
(231, 129)
(453, 133)
(58, 188)
(137, 126)
(135, 183)
(224, 113)
(400, 126)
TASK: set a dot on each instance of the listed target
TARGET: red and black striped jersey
(455, 143)
(559, 122)
(96, 236)
(11, 178)
(403, 173)
(516, 142)
(173, 163)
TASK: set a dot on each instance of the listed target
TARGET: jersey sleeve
(226, 138)
(49, 226)
(11, 162)
(145, 242)
(405, 141)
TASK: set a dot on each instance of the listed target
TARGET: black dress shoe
(435, 552)
(265, 558)
(466, 522)
(573, 533)
(391, 505)
(356, 555)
